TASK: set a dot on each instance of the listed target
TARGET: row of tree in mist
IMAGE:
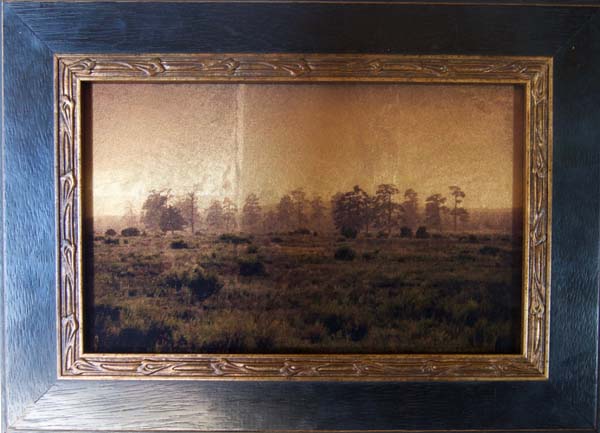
(387, 210)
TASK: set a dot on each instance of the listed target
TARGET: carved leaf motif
(295, 69)
(288, 68)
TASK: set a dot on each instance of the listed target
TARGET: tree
(251, 212)
(458, 212)
(130, 219)
(300, 203)
(434, 207)
(285, 212)
(317, 212)
(153, 208)
(214, 216)
(352, 210)
(386, 210)
(171, 219)
(410, 207)
(229, 214)
(188, 205)
(270, 221)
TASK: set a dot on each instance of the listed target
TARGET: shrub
(201, 283)
(109, 241)
(300, 231)
(130, 231)
(437, 236)
(345, 253)
(349, 232)
(98, 238)
(422, 233)
(233, 239)
(406, 232)
(110, 232)
(251, 267)
(276, 240)
(489, 251)
(368, 256)
(252, 249)
(382, 235)
(472, 239)
(358, 331)
(179, 245)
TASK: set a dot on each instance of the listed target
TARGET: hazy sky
(232, 139)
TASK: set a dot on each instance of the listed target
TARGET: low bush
(109, 241)
(382, 235)
(251, 267)
(252, 249)
(179, 245)
(110, 232)
(422, 233)
(233, 239)
(489, 251)
(276, 239)
(201, 283)
(406, 232)
(130, 231)
(370, 255)
(344, 253)
(349, 232)
(300, 231)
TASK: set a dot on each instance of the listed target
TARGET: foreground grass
(288, 293)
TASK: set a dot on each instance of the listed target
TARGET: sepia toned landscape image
(303, 218)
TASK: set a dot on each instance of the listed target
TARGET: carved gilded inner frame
(533, 73)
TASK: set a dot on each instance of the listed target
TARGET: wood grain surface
(35, 401)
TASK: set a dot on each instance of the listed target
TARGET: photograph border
(534, 73)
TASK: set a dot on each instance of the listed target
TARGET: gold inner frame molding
(533, 73)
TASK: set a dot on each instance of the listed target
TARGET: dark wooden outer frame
(533, 74)
(33, 400)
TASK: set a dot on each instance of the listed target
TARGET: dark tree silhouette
(410, 216)
(251, 212)
(434, 208)
(458, 212)
(285, 212)
(153, 208)
(317, 212)
(352, 210)
(386, 210)
(270, 221)
(229, 214)
(300, 203)
(188, 205)
(214, 216)
(171, 219)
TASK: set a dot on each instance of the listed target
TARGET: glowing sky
(233, 139)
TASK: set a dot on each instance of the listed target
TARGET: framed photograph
(254, 221)
(300, 216)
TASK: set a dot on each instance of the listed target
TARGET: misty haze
(305, 218)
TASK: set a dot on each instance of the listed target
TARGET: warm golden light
(234, 139)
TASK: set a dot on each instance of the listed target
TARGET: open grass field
(305, 293)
